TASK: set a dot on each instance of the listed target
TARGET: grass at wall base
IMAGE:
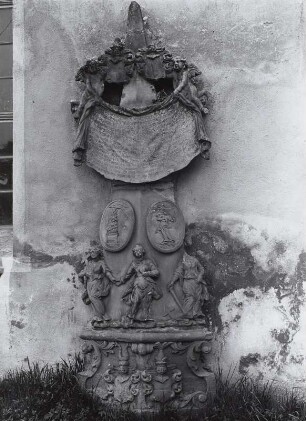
(52, 393)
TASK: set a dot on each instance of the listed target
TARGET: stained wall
(244, 208)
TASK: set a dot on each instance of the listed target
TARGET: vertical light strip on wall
(6, 113)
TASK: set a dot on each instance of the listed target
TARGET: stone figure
(190, 274)
(186, 90)
(94, 86)
(143, 289)
(97, 279)
(164, 221)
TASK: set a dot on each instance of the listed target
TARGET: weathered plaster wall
(245, 207)
(248, 53)
(256, 276)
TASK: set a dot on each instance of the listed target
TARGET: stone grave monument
(140, 121)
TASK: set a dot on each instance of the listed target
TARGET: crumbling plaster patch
(256, 272)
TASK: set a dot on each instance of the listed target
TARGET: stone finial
(136, 36)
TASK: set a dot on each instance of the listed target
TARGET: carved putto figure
(143, 289)
(97, 279)
(190, 274)
(186, 89)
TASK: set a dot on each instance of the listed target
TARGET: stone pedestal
(147, 370)
(157, 355)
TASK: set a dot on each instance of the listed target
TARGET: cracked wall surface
(244, 209)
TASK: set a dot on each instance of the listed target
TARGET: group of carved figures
(143, 287)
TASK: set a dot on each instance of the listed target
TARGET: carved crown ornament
(142, 111)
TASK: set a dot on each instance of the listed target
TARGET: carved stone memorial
(139, 121)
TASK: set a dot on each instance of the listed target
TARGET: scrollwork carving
(132, 378)
(179, 347)
(91, 360)
(196, 358)
(195, 400)
(107, 347)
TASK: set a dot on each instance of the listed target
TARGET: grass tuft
(52, 393)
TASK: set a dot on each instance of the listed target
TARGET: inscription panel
(143, 148)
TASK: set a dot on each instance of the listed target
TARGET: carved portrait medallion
(117, 224)
(165, 226)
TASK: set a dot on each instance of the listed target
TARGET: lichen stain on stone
(247, 360)
(230, 266)
(280, 248)
(18, 323)
(73, 280)
(236, 318)
(297, 359)
(228, 263)
(249, 293)
(283, 335)
(285, 338)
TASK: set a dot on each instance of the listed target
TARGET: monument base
(149, 370)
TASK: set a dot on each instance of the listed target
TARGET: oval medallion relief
(165, 226)
(117, 225)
